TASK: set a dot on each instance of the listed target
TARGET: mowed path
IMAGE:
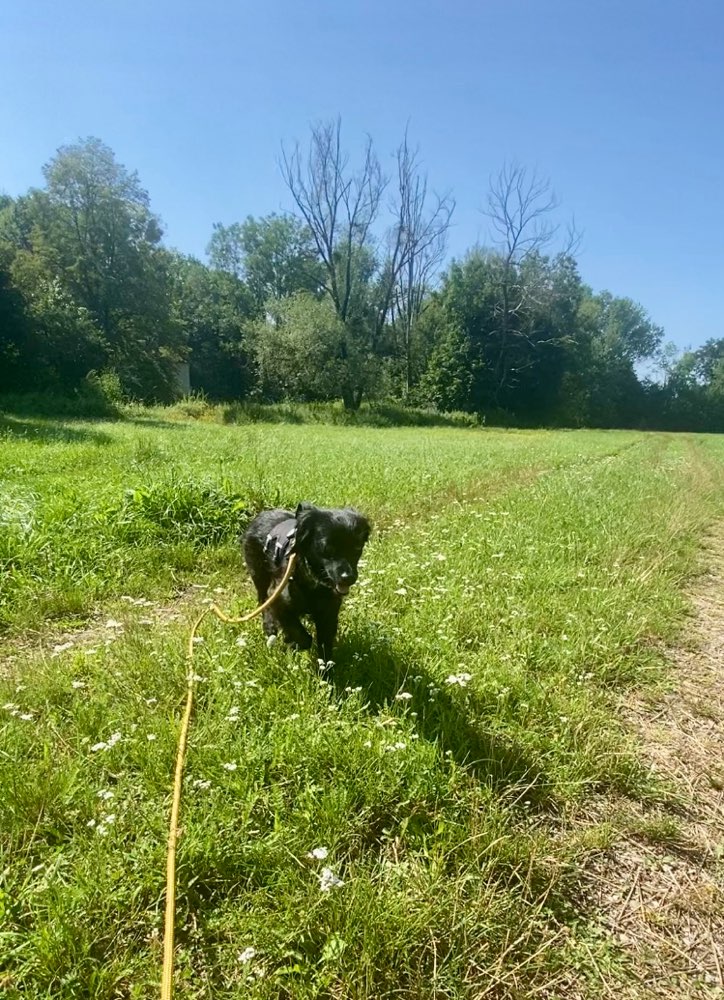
(661, 893)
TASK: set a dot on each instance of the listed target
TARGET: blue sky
(620, 104)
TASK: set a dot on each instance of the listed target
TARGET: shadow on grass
(452, 717)
(50, 431)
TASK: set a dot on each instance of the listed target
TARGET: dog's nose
(345, 580)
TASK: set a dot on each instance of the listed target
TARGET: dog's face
(331, 543)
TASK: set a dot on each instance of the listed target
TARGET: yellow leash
(169, 926)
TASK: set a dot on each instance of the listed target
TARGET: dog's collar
(309, 572)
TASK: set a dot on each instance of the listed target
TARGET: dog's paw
(270, 640)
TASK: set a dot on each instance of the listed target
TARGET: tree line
(349, 297)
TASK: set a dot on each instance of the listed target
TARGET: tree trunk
(352, 397)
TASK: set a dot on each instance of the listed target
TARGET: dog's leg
(262, 584)
(295, 633)
(326, 626)
(285, 617)
(269, 623)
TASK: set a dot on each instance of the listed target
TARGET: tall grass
(92, 510)
(515, 584)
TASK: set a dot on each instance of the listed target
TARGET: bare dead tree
(339, 206)
(520, 205)
(419, 244)
(368, 280)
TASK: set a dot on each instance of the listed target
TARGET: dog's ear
(363, 528)
(304, 517)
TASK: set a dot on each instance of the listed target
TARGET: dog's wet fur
(328, 544)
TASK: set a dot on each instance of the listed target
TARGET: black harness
(279, 543)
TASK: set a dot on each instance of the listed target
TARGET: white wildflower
(151, 701)
(231, 766)
(105, 794)
(112, 623)
(151, 737)
(319, 854)
(402, 591)
(403, 696)
(461, 679)
(328, 880)
(201, 783)
(241, 641)
(246, 955)
(61, 647)
(106, 745)
(77, 685)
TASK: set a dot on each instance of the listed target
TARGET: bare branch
(416, 245)
(339, 207)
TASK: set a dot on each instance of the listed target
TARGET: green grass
(546, 566)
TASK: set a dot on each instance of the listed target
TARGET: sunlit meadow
(405, 824)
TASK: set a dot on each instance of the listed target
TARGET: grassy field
(408, 825)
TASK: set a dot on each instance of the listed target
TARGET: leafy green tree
(614, 335)
(62, 342)
(101, 229)
(520, 369)
(91, 237)
(275, 256)
(690, 396)
(16, 342)
(305, 352)
(213, 310)
(452, 371)
(624, 330)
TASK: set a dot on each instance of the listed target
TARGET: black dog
(328, 544)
